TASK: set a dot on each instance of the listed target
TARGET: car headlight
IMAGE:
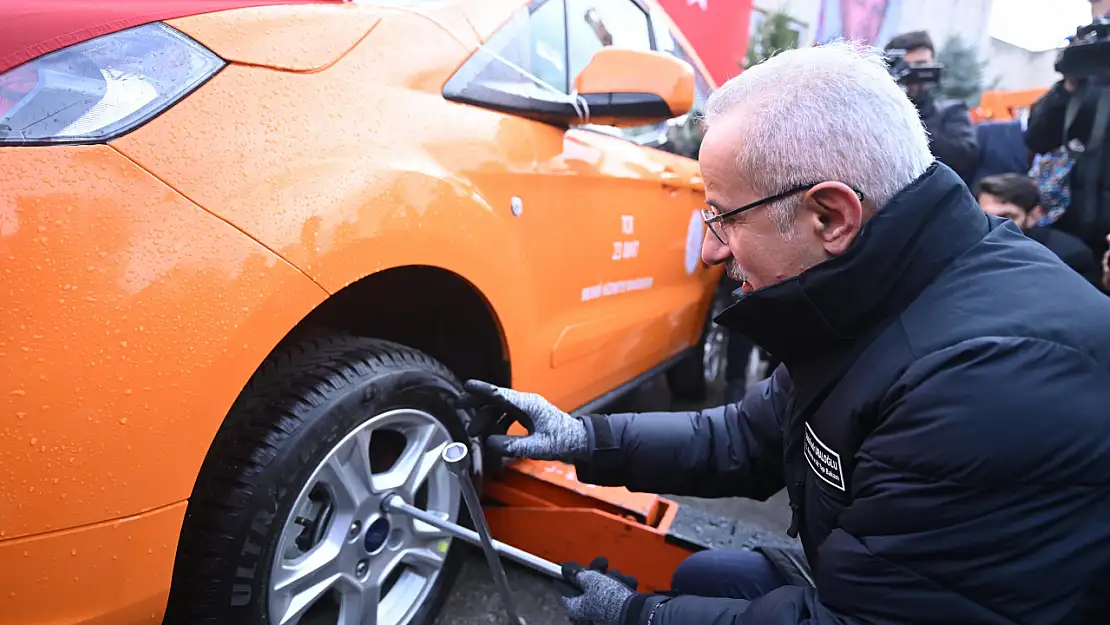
(99, 89)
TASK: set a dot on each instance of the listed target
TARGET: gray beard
(734, 272)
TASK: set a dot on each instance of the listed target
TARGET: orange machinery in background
(1005, 105)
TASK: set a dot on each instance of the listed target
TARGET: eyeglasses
(711, 217)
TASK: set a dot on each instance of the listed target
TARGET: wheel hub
(377, 533)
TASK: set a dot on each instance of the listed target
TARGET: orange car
(248, 254)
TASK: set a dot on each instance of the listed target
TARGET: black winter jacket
(952, 138)
(941, 422)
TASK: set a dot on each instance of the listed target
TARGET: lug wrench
(395, 504)
(457, 458)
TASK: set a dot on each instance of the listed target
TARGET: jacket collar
(898, 253)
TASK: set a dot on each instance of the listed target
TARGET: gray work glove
(596, 596)
(552, 433)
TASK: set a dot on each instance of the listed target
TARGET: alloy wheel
(340, 559)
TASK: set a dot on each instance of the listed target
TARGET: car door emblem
(695, 232)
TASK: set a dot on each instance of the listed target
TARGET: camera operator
(952, 138)
(1075, 113)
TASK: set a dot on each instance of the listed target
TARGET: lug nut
(356, 527)
(362, 567)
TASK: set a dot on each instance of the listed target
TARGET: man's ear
(1036, 214)
(837, 215)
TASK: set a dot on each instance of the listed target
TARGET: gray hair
(829, 112)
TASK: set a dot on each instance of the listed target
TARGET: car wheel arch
(464, 331)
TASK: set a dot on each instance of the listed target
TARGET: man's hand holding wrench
(596, 595)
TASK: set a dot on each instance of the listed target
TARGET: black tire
(304, 399)
(687, 379)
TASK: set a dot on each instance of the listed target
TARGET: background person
(952, 137)
(939, 419)
(1088, 212)
(1015, 197)
(1002, 149)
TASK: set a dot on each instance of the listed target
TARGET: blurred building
(1016, 68)
(876, 21)
(711, 26)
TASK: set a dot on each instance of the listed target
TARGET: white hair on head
(829, 112)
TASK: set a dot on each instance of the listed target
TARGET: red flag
(718, 30)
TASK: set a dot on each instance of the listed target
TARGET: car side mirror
(633, 87)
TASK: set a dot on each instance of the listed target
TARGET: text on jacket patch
(823, 460)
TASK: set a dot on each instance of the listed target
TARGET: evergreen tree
(774, 34)
(963, 75)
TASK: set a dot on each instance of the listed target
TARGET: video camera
(1088, 53)
(907, 74)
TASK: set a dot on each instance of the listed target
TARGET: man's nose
(713, 252)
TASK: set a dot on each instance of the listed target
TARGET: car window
(595, 24)
(553, 40)
(548, 32)
(533, 40)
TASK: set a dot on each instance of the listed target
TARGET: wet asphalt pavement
(474, 599)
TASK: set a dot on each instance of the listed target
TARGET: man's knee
(693, 570)
(733, 574)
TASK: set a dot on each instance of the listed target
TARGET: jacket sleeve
(730, 451)
(987, 476)
(1045, 131)
(954, 142)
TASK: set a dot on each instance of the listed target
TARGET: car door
(579, 215)
(616, 180)
(562, 242)
(657, 281)
(672, 226)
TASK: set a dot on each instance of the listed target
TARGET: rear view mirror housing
(623, 88)
(633, 88)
